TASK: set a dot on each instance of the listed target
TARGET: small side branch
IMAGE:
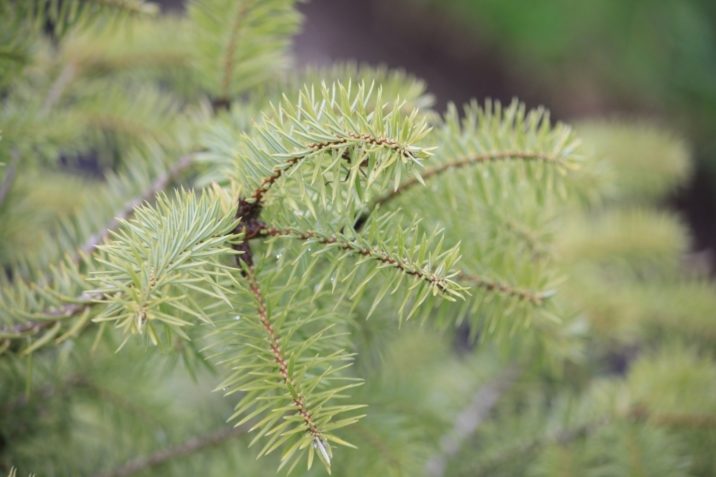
(448, 166)
(191, 446)
(470, 419)
(157, 186)
(530, 296)
(376, 254)
(258, 195)
(87, 300)
(279, 357)
(465, 162)
(54, 315)
(229, 58)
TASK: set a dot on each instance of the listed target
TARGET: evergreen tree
(196, 231)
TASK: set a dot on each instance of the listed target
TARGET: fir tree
(196, 231)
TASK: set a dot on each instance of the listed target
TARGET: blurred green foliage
(653, 55)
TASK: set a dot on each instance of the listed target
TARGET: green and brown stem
(374, 253)
(522, 294)
(278, 354)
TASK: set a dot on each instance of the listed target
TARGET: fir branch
(470, 419)
(534, 297)
(493, 134)
(287, 362)
(278, 354)
(172, 453)
(441, 283)
(68, 14)
(229, 55)
(157, 186)
(238, 44)
(342, 139)
(167, 251)
(461, 163)
(321, 126)
(51, 317)
(89, 299)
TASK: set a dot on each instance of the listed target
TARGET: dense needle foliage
(196, 231)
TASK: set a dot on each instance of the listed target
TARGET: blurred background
(626, 59)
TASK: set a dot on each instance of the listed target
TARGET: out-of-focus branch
(470, 419)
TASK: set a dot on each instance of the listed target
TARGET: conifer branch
(89, 299)
(470, 419)
(536, 298)
(157, 186)
(461, 163)
(186, 448)
(374, 253)
(341, 140)
(238, 44)
(229, 55)
(52, 316)
(278, 354)
(526, 235)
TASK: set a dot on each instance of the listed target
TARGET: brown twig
(249, 210)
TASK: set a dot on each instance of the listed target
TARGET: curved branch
(249, 210)
(55, 314)
(461, 163)
(280, 170)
